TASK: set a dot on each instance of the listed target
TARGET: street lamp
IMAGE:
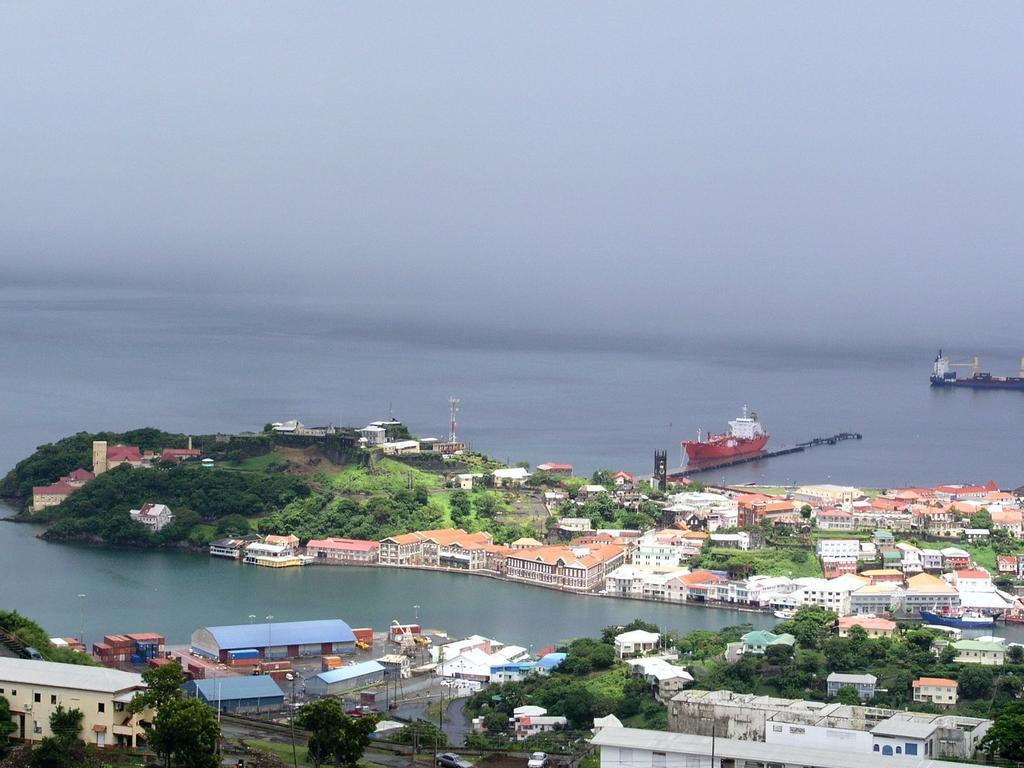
(291, 719)
(270, 627)
(416, 613)
(81, 605)
(252, 617)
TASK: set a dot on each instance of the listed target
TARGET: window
(100, 707)
(53, 698)
(899, 750)
(37, 697)
(911, 748)
(876, 747)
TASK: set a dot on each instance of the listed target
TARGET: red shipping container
(364, 634)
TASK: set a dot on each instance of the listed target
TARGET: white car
(538, 760)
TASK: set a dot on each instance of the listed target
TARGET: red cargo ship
(745, 436)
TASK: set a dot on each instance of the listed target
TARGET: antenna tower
(454, 403)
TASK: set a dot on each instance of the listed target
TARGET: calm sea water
(95, 360)
(88, 360)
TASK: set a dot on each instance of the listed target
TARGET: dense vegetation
(800, 672)
(31, 634)
(53, 460)
(195, 494)
(589, 683)
(774, 561)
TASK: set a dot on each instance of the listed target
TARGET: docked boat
(958, 618)
(785, 613)
(746, 436)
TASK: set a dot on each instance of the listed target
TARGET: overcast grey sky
(814, 167)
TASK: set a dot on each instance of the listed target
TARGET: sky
(809, 170)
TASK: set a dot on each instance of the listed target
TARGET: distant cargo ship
(745, 436)
(960, 619)
(943, 375)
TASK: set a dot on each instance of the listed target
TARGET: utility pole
(81, 604)
(291, 720)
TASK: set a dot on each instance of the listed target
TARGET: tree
(336, 737)
(163, 686)
(847, 695)
(233, 525)
(981, 519)
(1015, 654)
(603, 477)
(51, 753)
(1005, 739)
(66, 725)
(186, 732)
(975, 682)
(7, 726)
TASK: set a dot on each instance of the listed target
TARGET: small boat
(958, 618)
(785, 613)
(1014, 617)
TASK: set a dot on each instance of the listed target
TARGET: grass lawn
(256, 463)
(764, 562)
(389, 476)
(982, 553)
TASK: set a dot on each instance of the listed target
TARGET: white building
(153, 516)
(635, 748)
(838, 548)
(527, 721)
(653, 553)
(833, 594)
(510, 476)
(635, 642)
(373, 434)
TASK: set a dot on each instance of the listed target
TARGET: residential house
(529, 720)
(980, 652)
(935, 690)
(554, 468)
(154, 516)
(665, 679)
(954, 558)
(872, 625)
(590, 492)
(864, 684)
(1006, 564)
(759, 640)
(972, 580)
(510, 477)
(623, 478)
(976, 535)
(883, 575)
(635, 643)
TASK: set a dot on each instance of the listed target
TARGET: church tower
(99, 457)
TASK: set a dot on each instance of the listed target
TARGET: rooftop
(71, 676)
(281, 633)
(352, 671)
(238, 687)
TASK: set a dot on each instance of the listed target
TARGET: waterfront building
(271, 555)
(525, 543)
(241, 694)
(575, 568)
(972, 580)
(286, 639)
(927, 592)
(153, 516)
(833, 594)
(232, 548)
(940, 691)
(863, 684)
(343, 679)
(442, 547)
(35, 689)
(338, 550)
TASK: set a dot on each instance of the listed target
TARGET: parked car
(451, 760)
(538, 760)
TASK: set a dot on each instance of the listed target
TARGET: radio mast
(454, 403)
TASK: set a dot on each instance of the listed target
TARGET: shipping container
(364, 635)
(244, 653)
(398, 631)
(331, 662)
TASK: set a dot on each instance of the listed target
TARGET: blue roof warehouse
(249, 693)
(281, 640)
(343, 679)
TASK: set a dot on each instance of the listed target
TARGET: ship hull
(1014, 383)
(958, 622)
(723, 448)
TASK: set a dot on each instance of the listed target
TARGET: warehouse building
(243, 694)
(342, 679)
(281, 640)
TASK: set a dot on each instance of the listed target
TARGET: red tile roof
(353, 545)
(80, 474)
(56, 489)
(552, 466)
(124, 453)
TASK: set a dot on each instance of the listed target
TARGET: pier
(692, 469)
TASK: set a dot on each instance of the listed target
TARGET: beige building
(36, 688)
(935, 690)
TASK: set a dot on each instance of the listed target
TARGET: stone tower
(99, 457)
